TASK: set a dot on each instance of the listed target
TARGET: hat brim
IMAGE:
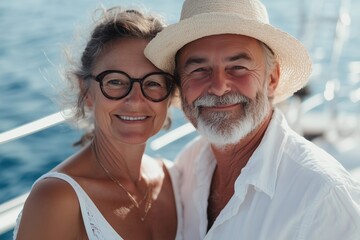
(295, 63)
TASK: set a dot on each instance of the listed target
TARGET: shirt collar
(261, 170)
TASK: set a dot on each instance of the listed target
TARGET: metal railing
(10, 209)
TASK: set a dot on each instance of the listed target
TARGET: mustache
(212, 100)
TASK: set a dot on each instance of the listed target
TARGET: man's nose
(219, 83)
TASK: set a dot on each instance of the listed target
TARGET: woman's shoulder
(52, 194)
(51, 205)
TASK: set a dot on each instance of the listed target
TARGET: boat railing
(10, 209)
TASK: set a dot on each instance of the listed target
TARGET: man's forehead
(202, 46)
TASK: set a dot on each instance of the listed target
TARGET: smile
(221, 107)
(128, 118)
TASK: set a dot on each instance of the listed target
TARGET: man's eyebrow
(194, 60)
(238, 57)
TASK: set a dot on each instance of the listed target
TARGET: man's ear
(274, 80)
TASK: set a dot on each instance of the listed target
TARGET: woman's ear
(88, 100)
(274, 80)
(85, 90)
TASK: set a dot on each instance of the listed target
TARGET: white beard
(219, 128)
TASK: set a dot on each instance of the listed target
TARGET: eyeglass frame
(99, 78)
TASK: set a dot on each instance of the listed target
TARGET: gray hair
(270, 58)
(270, 61)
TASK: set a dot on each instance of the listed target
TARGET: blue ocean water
(32, 39)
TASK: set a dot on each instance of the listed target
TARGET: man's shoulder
(315, 163)
(303, 158)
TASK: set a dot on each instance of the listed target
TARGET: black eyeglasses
(155, 86)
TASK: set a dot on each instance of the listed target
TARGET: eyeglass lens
(156, 86)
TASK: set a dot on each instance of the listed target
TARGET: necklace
(147, 197)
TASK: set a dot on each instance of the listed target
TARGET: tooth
(132, 118)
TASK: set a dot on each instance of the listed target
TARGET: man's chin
(228, 134)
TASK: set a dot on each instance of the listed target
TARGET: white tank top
(97, 228)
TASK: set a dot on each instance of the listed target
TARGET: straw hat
(201, 18)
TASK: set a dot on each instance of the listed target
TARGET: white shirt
(289, 189)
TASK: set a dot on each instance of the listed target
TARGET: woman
(110, 189)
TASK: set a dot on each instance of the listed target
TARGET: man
(249, 176)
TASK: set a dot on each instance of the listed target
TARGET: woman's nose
(135, 93)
